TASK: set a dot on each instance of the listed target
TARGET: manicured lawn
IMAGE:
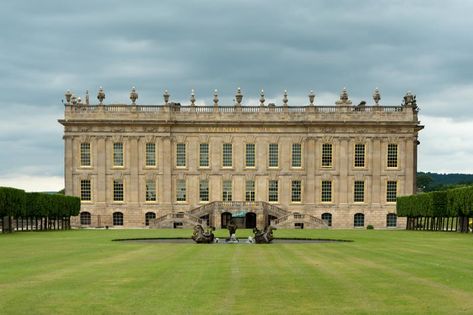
(381, 272)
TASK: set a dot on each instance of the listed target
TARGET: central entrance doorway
(242, 219)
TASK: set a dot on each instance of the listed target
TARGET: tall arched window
(117, 218)
(85, 218)
(359, 220)
(391, 220)
(148, 216)
(327, 217)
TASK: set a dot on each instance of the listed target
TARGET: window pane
(227, 155)
(296, 191)
(149, 216)
(273, 191)
(250, 155)
(326, 191)
(118, 190)
(391, 191)
(273, 155)
(85, 218)
(359, 155)
(327, 155)
(391, 220)
(296, 155)
(359, 191)
(118, 154)
(150, 190)
(85, 190)
(181, 190)
(85, 154)
(359, 220)
(117, 218)
(392, 155)
(327, 217)
(227, 190)
(204, 190)
(150, 154)
(204, 155)
(181, 154)
(250, 190)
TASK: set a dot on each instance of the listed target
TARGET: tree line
(428, 181)
(35, 211)
(448, 210)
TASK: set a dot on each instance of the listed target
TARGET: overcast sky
(47, 47)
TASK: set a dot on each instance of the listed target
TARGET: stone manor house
(174, 165)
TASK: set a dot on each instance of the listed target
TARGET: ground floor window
(327, 217)
(359, 220)
(85, 218)
(117, 218)
(149, 216)
(391, 220)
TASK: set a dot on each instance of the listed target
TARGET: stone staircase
(176, 220)
(299, 220)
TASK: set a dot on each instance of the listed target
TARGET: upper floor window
(150, 190)
(359, 155)
(250, 155)
(392, 155)
(250, 190)
(227, 149)
(296, 155)
(118, 190)
(204, 155)
(118, 154)
(85, 154)
(359, 191)
(391, 191)
(204, 190)
(150, 154)
(273, 160)
(85, 190)
(180, 154)
(181, 190)
(273, 191)
(327, 155)
(326, 191)
(227, 190)
(296, 191)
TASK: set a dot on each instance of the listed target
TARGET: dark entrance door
(226, 217)
(250, 220)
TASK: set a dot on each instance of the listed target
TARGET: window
(296, 191)
(227, 155)
(273, 155)
(327, 155)
(392, 155)
(85, 154)
(149, 216)
(227, 190)
(250, 190)
(273, 193)
(85, 190)
(204, 190)
(326, 191)
(359, 191)
(250, 155)
(391, 220)
(204, 155)
(181, 190)
(327, 217)
(118, 190)
(391, 191)
(150, 190)
(180, 154)
(117, 218)
(296, 155)
(85, 218)
(118, 154)
(150, 154)
(359, 220)
(359, 155)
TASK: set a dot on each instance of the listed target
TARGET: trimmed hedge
(450, 203)
(16, 203)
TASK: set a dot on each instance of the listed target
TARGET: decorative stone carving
(166, 96)
(311, 97)
(68, 96)
(343, 98)
(376, 96)
(101, 95)
(215, 98)
(192, 98)
(238, 97)
(133, 96)
(285, 99)
(261, 98)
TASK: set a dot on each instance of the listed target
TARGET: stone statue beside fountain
(264, 236)
(260, 236)
(199, 236)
